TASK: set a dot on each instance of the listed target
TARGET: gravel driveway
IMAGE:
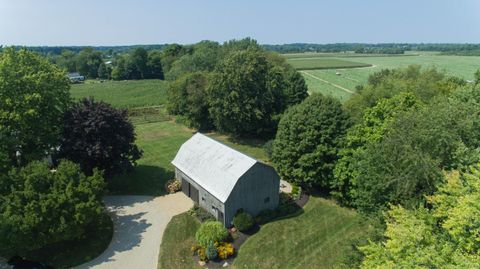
(139, 225)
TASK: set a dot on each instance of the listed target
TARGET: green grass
(461, 66)
(323, 63)
(315, 239)
(124, 94)
(177, 240)
(160, 142)
(68, 254)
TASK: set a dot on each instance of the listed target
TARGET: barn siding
(206, 200)
(258, 183)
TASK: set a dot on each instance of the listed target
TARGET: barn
(222, 180)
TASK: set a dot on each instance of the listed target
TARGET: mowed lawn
(160, 142)
(179, 237)
(124, 94)
(315, 239)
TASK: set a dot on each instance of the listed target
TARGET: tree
(374, 125)
(88, 61)
(245, 97)
(34, 94)
(424, 84)
(187, 97)
(477, 78)
(154, 65)
(204, 57)
(443, 235)
(96, 135)
(308, 140)
(104, 71)
(296, 90)
(139, 59)
(41, 207)
(392, 171)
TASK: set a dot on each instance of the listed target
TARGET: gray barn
(222, 180)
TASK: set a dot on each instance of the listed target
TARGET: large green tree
(205, 56)
(88, 62)
(444, 235)
(423, 83)
(96, 135)
(250, 89)
(374, 125)
(34, 94)
(187, 97)
(308, 140)
(244, 96)
(39, 206)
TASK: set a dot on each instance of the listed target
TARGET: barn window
(266, 200)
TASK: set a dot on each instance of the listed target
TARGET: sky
(129, 22)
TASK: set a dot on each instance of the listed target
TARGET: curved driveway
(139, 223)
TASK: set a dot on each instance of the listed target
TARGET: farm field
(326, 81)
(323, 63)
(124, 94)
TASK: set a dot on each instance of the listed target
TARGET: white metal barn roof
(213, 165)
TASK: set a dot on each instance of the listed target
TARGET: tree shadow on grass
(144, 180)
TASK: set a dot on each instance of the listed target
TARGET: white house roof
(211, 164)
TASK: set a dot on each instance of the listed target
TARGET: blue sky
(122, 22)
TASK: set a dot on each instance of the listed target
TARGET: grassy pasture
(323, 63)
(124, 94)
(323, 80)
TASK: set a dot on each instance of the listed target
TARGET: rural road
(139, 223)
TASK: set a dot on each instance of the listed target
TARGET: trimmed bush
(201, 214)
(211, 251)
(211, 231)
(243, 221)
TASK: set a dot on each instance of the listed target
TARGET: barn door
(194, 194)
(185, 187)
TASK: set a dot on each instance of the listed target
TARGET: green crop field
(323, 63)
(338, 82)
(124, 94)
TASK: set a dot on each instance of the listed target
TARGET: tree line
(87, 142)
(403, 151)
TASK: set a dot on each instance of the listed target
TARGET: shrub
(266, 216)
(202, 254)
(225, 250)
(173, 186)
(201, 214)
(211, 231)
(211, 251)
(243, 221)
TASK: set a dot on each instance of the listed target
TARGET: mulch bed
(302, 201)
(242, 237)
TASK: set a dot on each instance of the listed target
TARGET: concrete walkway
(139, 223)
